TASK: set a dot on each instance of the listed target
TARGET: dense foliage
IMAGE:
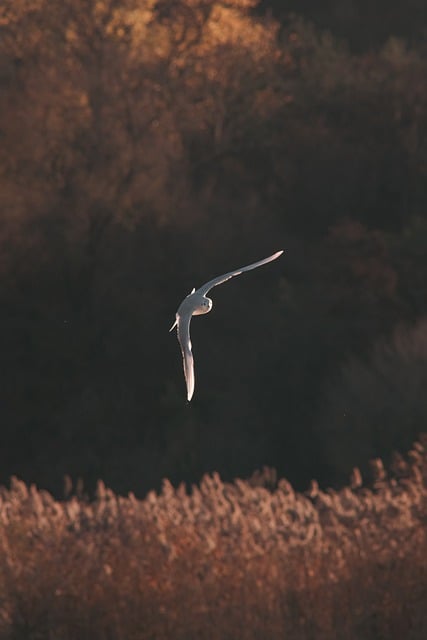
(149, 146)
(224, 561)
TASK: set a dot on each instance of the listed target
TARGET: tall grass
(220, 561)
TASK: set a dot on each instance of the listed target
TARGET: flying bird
(195, 304)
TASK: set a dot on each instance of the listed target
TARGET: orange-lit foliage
(225, 561)
(102, 97)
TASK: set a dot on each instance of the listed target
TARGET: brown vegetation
(144, 147)
(223, 561)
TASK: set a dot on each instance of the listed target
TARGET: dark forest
(146, 147)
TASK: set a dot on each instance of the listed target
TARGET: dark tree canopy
(149, 146)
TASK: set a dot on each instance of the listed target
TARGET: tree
(375, 404)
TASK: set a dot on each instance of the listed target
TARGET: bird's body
(195, 304)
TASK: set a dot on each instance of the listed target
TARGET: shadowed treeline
(364, 25)
(146, 147)
(226, 560)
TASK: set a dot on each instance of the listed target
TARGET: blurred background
(146, 147)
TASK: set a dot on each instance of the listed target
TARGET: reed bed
(249, 559)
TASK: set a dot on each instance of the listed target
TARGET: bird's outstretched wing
(183, 330)
(220, 279)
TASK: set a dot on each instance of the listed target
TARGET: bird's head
(204, 307)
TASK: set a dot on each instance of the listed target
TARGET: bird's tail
(174, 325)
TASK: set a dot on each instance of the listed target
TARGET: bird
(195, 304)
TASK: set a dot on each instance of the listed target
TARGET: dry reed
(221, 561)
